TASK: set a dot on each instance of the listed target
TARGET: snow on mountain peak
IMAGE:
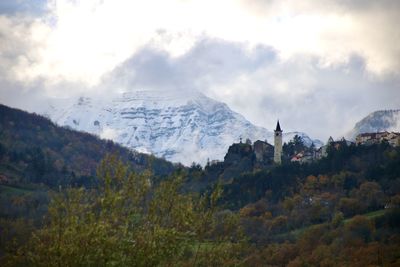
(378, 121)
(180, 126)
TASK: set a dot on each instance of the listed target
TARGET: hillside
(341, 210)
(35, 150)
(38, 157)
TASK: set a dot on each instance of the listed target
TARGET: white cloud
(256, 83)
(318, 60)
(80, 41)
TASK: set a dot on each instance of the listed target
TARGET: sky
(317, 66)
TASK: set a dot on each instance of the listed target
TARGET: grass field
(297, 232)
(12, 190)
(370, 215)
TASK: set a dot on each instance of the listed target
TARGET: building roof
(373, 134)
(278, 127)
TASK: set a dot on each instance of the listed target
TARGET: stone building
(392, 138)
(263, 151)
(278, 144)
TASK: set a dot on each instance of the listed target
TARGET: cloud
(80, 41)
(334, 30)
(310, 63)
(208, 62)
(307, 97)
(256, 83)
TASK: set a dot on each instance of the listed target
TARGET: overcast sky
(318, 66)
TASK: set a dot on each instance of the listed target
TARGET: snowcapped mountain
(378, 121)
(180, 126)
(306, 139)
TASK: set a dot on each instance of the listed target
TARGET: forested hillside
(34, 150)
(341, 210)
(37, 157)
(329, 212)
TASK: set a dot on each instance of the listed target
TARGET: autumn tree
(128, 221)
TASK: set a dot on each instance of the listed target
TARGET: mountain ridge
(182, 127)
(35, 150)
(377, 121)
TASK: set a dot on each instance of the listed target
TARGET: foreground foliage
(128, 222)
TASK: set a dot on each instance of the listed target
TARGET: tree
(337, 219)
(349, 206)
(370, 195)
(128, 221)
(360, 227)
(294, 146)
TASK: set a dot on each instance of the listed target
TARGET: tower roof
(278, 127)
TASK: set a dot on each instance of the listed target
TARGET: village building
(393, 138)
(263, 151)
(323, 151)
(304, 157)
(278, 144)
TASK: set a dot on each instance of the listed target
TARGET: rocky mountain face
(180, 126)
(378, 121)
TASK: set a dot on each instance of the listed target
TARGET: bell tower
(278, 144)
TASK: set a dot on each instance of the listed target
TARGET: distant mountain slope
(180, 126)
(33, 149)
(378, 121)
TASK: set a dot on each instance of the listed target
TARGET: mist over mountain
(180, 126)
(378, 121)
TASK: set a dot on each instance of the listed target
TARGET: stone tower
(278, 144)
